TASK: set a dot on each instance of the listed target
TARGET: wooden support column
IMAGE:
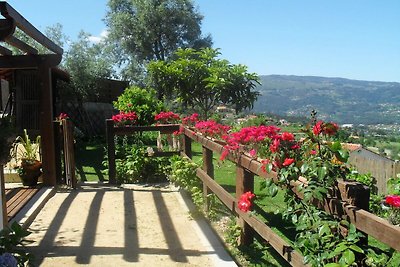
(244, 183)
(208, 167)
(3, 212)
(57, 147)
(46, 125)
(112, 173)
(187, 146)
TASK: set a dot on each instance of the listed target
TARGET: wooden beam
(5, 51)
(46, 126)
(112, 171)
(21, 45)
(29, 61)
(167, 129)
(9, 12)
(7, 28)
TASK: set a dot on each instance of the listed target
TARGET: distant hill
(336, 99)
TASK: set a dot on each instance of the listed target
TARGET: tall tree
(152, 30)
(199, 79)
(86, 62)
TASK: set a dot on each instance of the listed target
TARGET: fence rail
(350, 202)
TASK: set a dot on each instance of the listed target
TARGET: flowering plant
(190, 120)
(62, 116)
(167, 117)
(245, 201)
(211, 128)
(128, 118)
(394, 213)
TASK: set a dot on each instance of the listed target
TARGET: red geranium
(167, 117)
(393, 200)
(288, 162)
(244, 203)
(125, 118)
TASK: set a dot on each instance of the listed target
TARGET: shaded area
(17, 198)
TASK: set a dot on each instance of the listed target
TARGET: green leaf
(324, 229)
(304, 168)
(342, 247)
(356, 248)
(273, 190)
(336, 146)
(332, 264)
(348, 257)
(343, 155)
(294, 219)
(321, 172)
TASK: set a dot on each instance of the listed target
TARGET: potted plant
(27, 153)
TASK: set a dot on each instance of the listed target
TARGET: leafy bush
(142, 101)
(12, 246)
(183, 174)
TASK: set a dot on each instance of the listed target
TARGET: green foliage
(30, 148)
(87, 62)
(199, 79)
(12, 240)
(6, 138)
(133, 163)
(394, 185)
(142, 101)
(183, 174)
(152, 30)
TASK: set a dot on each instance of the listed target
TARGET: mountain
(337, 99)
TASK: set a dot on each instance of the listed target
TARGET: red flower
(330, 128)
(244, 203)
(393, 200)
(287, 136)
(63, 116)
(167, 117)
(288, 162)
(275, 145)
(125, 118)
(317, 129)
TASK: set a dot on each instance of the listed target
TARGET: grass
(89, 157)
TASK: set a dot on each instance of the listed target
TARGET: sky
(355, 39)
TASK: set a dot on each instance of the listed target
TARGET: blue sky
(357, 39)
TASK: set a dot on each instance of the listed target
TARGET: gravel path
(110, 226)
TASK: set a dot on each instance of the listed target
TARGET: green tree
(199, 79)
(86, 62)
(152, 30)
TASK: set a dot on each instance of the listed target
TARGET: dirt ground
(100, 225)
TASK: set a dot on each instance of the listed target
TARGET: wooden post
(3, 213)
(57, 147)
(244, 183)
(187, 146)
(358, 195)
(112, 173)
(69, 155)
(208, 167)
(46, 125)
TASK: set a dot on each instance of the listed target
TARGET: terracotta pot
(31, 172)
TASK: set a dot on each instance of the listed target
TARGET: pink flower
(253, 153)
(224, 154)
(274, 147)
(313, 152)
(330, 128)
(393, 200)
(288, 162)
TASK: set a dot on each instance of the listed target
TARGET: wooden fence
(65, 157)
(350, 203)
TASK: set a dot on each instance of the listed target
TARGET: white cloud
(98, 39)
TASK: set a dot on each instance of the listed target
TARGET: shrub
(142, 101)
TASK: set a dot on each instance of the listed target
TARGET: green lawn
(89, 157)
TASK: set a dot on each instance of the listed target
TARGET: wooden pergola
(29, 58)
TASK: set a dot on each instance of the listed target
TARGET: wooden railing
(112, 131)
(350, 202)
(65, 157)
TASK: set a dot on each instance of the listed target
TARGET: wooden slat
(5, 51)
(28, 61)
(18, 201)
(165, 129)
(279, 244)
(21, 45)
(8, 12)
